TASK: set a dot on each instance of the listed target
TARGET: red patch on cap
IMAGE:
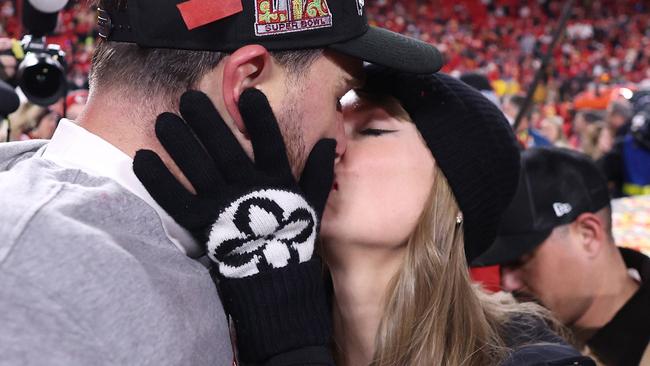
(197, 13)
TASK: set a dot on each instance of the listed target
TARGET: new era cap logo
(360, 4)
(286, 16)
(561, 209)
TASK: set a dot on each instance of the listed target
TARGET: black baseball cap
(555, 186)
(278, 25)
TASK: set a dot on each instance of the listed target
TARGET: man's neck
(127, 126)
(614, 288)
(119, 123)
(360, 285)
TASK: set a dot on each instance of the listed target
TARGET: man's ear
(243, 69)
(589, 229)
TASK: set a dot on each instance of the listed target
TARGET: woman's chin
(327, 229)
(328, 222)
(333, 231)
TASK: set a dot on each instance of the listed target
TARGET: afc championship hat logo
(286, 16)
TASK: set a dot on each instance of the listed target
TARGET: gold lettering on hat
(285, 16)
(267, 14)
(297, 9)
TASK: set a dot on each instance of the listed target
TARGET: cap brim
(383, 47)
(509, 248)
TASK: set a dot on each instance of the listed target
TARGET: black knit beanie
(471, 141)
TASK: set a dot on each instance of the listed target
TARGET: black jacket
(547, 355)
(535, 344)
(623, 340)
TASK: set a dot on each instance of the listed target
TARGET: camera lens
(42, 79)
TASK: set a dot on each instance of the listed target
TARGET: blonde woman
(551, 128)
(417, 195)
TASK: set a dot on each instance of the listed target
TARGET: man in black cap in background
(556, 245)
(96, 271)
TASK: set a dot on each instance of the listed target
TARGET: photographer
(35, 68)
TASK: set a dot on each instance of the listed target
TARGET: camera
(42, 73)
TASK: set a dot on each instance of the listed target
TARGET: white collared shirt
(74, 147)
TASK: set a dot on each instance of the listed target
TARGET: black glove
(259, 224)
(253, 216)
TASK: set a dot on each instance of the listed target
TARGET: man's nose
(341, 139)
(511, 279)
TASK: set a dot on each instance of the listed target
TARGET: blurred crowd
(605, 42)
(591, 90)
(604, 54)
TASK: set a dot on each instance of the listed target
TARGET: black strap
(115, 26)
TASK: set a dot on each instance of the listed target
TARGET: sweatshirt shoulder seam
(25, 219)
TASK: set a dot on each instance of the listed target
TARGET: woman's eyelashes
(375, 131)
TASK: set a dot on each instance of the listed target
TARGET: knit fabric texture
(471, 141)
(278, 311)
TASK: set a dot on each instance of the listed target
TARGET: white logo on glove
(263, 228)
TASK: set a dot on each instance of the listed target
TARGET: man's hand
(259, 225)
(253, 216)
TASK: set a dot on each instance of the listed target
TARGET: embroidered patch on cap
(286, 16)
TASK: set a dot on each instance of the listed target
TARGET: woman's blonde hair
(434, 314)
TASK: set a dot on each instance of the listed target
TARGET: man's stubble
(290, 121)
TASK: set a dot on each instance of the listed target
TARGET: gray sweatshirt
(89, 277)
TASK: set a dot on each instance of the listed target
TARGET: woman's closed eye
(375, 131)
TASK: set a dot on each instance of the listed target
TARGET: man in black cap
(99, 268)
(555, 244)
